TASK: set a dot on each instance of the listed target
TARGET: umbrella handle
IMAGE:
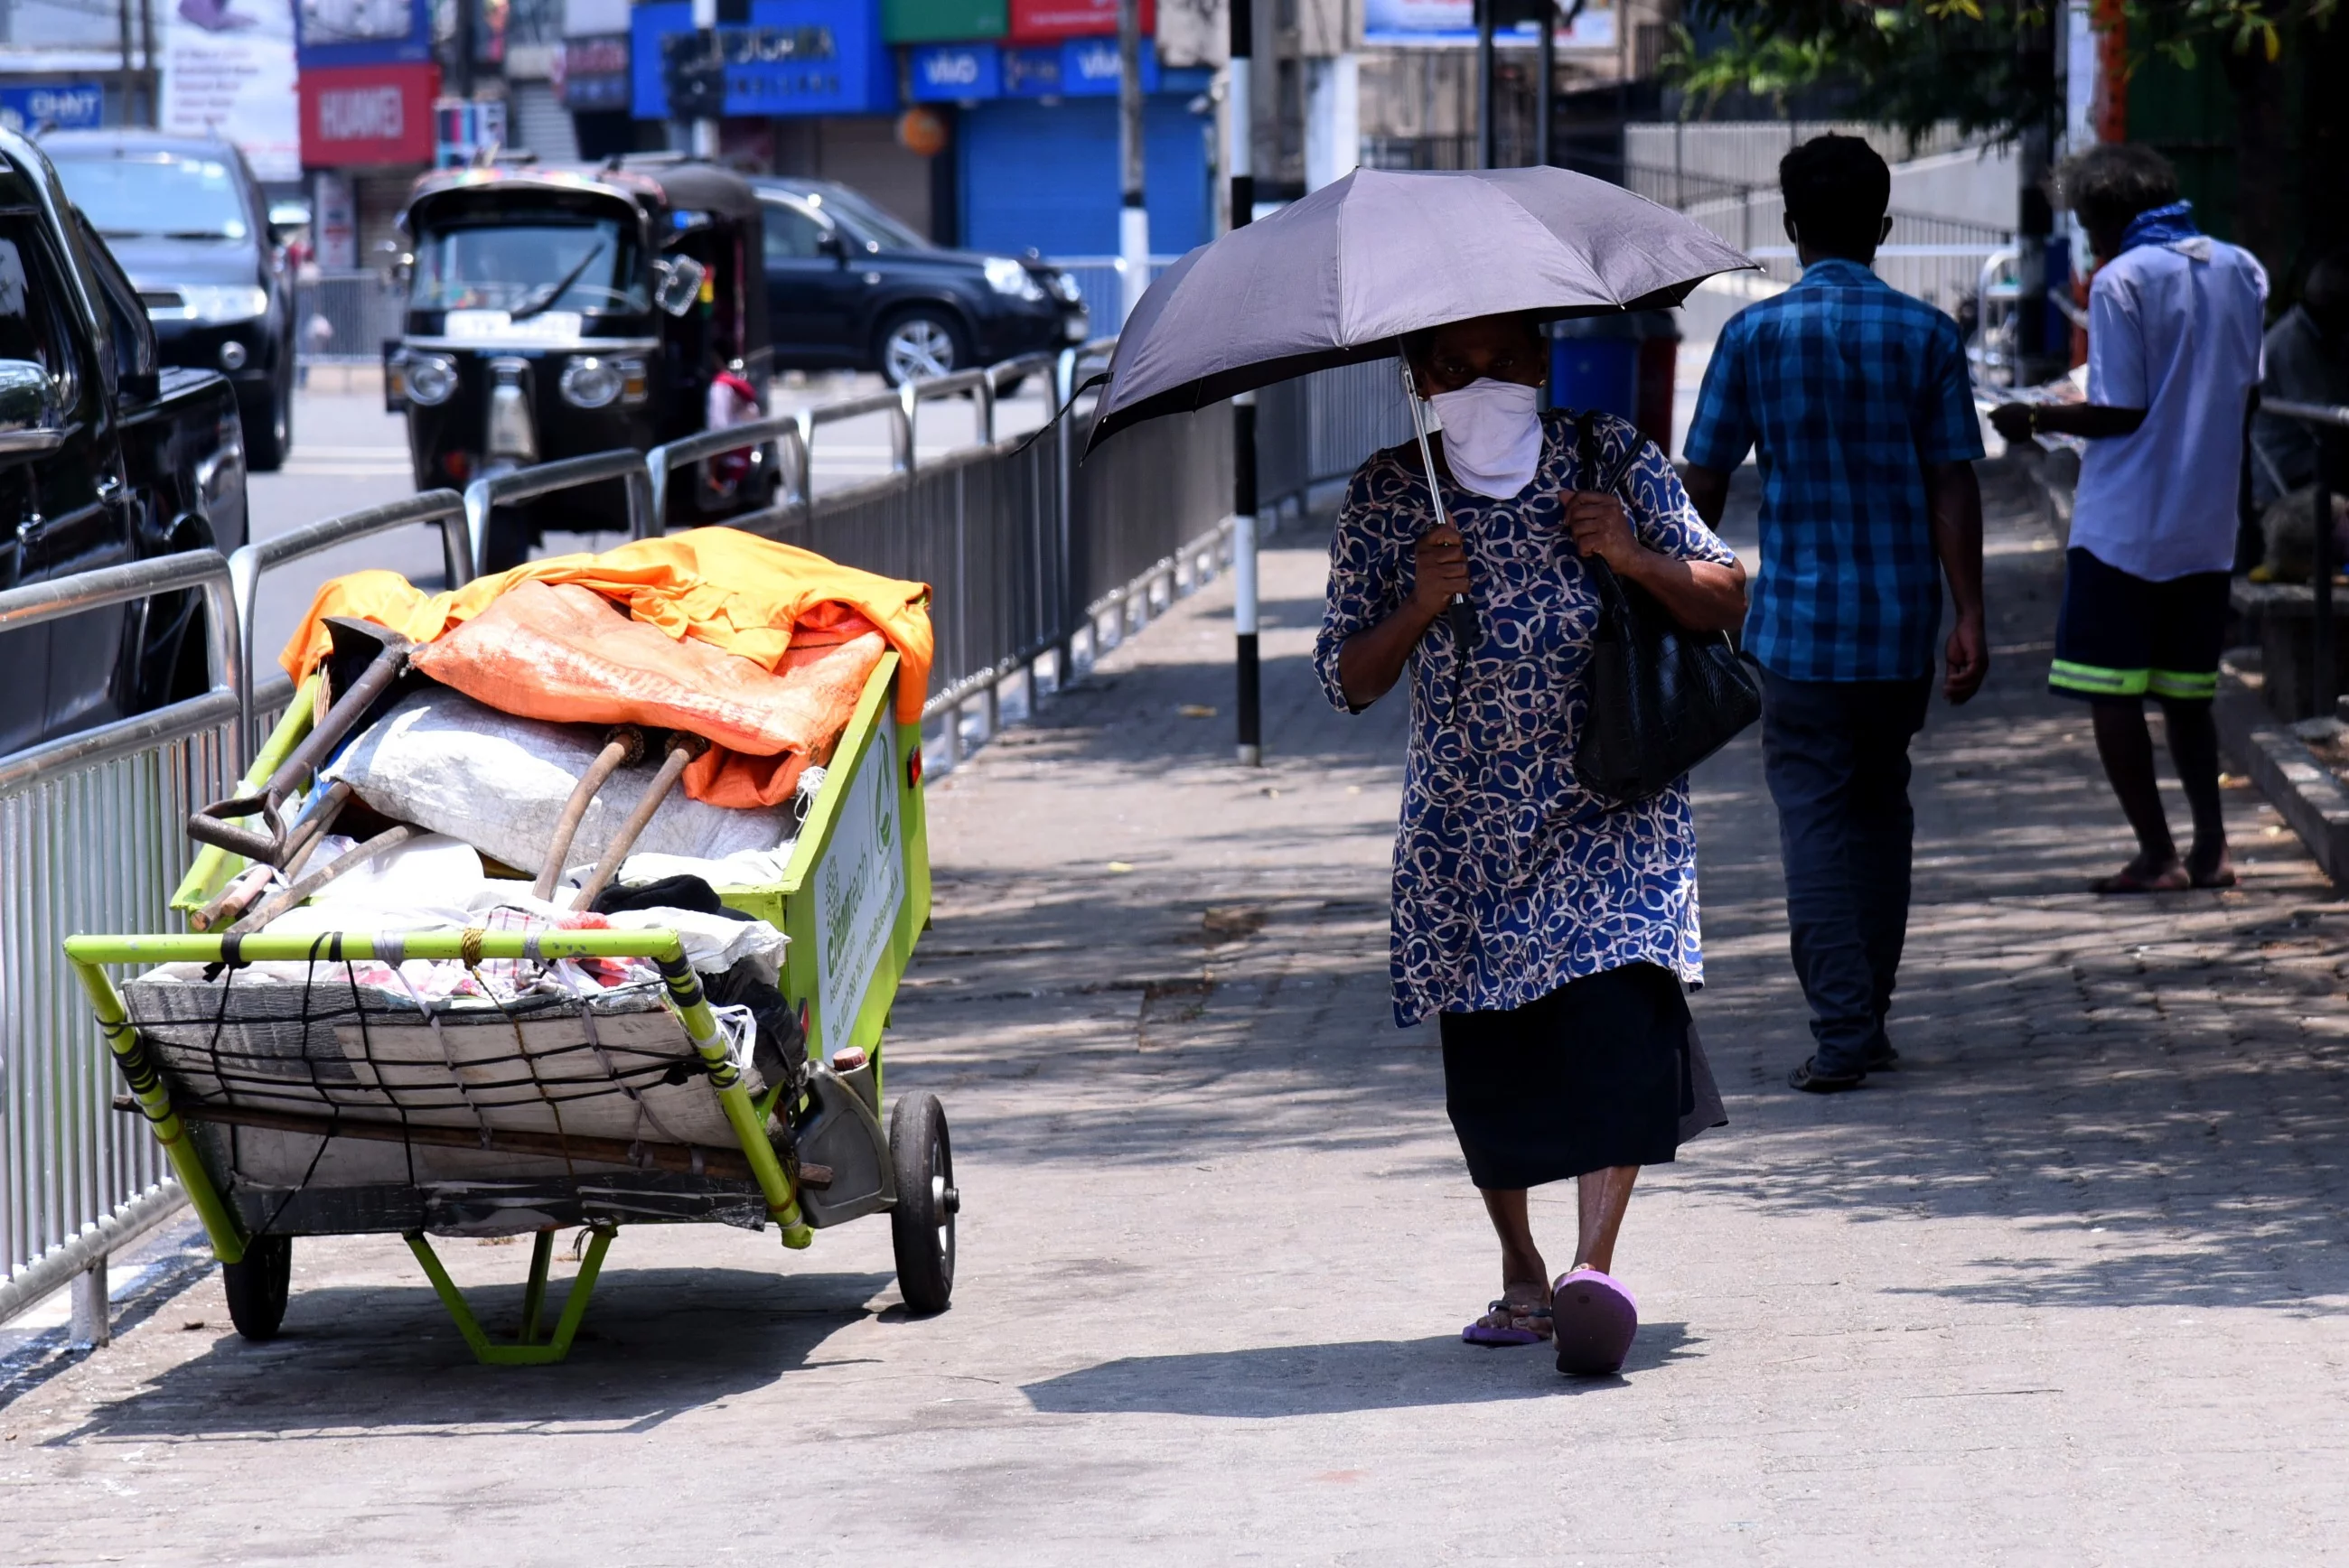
(1460, 614)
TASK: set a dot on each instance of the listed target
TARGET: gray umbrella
(1339, 276)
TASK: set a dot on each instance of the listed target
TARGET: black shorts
(2122, 636)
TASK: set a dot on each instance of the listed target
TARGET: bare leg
(2126, 747)
(2194, 748)
(1603, 1196)
(1521, 1261)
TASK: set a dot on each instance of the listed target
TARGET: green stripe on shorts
(2184, 686)
(2066, 675)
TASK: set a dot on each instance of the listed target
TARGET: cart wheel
(258, 1285)
(923, 1224)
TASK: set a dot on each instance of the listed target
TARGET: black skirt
(1604, 1070)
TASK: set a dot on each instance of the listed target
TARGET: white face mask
(1492, 435)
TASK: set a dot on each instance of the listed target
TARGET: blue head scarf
(2160, 226)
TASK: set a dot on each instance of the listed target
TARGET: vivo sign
(951, 71)
(361, 114)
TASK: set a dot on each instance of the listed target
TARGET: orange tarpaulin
(566, 653)
(760, 647)
(736, 591)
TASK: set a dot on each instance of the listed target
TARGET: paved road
(348, 453)
(2067, 1289)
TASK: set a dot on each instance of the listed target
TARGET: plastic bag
(451, 765)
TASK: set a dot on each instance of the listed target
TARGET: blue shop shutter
(1045, 175)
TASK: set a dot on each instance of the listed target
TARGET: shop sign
(362, 32)
(68, 105)
(796, 57)
(356, 116)
(1090, 67)
(943, 21)
(946, 72)
(1047, 21)
(231, 75)
(593, 72)
(1449, 23)
(1082, 68)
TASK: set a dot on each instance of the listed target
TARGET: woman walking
(1553, 933)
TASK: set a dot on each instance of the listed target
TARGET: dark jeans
(1836, 756)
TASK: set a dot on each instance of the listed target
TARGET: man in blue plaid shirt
(1856, 399)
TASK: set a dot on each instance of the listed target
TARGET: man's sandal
(1508, 1322)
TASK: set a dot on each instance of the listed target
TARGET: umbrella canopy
(1339, 276)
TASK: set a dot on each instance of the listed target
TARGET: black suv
(851, 287)
(187, 221)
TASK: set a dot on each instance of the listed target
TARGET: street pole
(147, 60)
(705, 129)
(461, 53)
(1133, 216)
(1240, 117)
(2033, 158)
(1546, 87)
(127, 84)
(1484, 83)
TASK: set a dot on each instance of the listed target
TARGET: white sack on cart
(454, 766)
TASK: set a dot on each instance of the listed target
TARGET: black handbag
(1662, 698)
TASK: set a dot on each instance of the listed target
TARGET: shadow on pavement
(655, 1343)
(1278, 1381)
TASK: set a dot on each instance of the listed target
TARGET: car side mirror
(29, 411)
(676, 282)
(831, 245)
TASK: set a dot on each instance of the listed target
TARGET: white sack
(451, 765)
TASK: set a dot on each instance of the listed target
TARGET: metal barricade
(2328, 418)
(442, 509)
(90, 840)
(628, 466)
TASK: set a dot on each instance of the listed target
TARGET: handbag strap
(1586, 464)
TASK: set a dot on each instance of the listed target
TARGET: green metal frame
(526, 1351)
(90, 954)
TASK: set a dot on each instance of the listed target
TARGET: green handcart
(300, 1085)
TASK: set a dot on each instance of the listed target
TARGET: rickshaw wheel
(257, 1287)
(922, 1225)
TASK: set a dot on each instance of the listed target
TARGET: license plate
(498, 326)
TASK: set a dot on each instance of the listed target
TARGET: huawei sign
(359, 116)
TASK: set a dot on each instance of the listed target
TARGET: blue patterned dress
(1509, 878)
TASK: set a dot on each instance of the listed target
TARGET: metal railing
(1100, 281)
(358, 312)
(2328, 416)
(90, 840)
(441, 509)
(628, 466)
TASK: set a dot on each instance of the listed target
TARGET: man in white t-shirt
(2174, 321)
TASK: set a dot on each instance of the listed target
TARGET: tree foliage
(1918, 63)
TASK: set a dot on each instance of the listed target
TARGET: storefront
(366, 89)
(1037, 139)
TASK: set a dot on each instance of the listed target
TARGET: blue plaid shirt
(1848, 386)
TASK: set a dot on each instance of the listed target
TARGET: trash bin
(1621, 364)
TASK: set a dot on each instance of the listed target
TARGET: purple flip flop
(1593, 1319)
(1482, 1332)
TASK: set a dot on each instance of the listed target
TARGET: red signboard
(1045, 21)
(354, 116)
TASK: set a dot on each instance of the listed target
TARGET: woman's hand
(1439, 569)
(1600, 527)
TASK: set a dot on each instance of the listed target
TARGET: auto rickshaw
(553, 313)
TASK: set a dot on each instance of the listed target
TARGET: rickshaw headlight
(431, 378)
(591, 383)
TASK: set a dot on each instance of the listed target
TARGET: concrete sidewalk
(2067, 1288)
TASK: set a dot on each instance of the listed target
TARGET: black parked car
(850, 287)
(187, 221)
(104, 460)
